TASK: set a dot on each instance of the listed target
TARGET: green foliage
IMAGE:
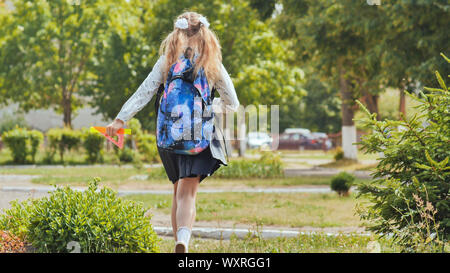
(265, 8)
(342, 182)
(22, 143)
(9, 122)
(145, 143)
(96, 219)
(415, 167)
(147, 147)
(268, 166)
(319, 108)
(338, 154)
(63, 140)
(35, 138)
(51, 43)
(93, 143)
(127, 155)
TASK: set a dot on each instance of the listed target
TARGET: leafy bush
(10, 243)
(339, 154)
(147, 147)
(145, 143)
(126, 155)
(62, 140)
(96, 219)
(342, 182)
(415, 167)
(22, 142)
(16, 141)
(268, 166)
(35, 138)
(93, 143)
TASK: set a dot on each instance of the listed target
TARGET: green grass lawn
(280, 209)
(115, 176)
(318, 243)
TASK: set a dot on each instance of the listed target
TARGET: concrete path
(241, 233)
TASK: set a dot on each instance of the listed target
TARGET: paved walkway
(241, 233)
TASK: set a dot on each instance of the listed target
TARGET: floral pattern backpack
(185, 120)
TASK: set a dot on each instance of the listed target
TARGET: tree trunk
(67, 110)
(348, 126)
(402, 103)
(371, 101)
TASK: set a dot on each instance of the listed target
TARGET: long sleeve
(228, 101)
(144, 93)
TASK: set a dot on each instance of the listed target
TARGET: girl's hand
(112, 128)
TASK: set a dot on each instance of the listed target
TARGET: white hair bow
(204, 21)
(182, 23)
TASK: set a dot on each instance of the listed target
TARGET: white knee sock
(184, 234)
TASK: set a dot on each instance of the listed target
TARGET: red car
(296, 141)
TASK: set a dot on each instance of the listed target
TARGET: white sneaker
(181, 247)
(183, 236)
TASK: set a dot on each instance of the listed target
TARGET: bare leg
(174, 210)
(185, 199)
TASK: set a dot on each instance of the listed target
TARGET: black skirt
(178, 166)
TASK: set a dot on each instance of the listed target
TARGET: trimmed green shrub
(22, 142)
(126, 155)
(146, 145)
(145, 142)
(35, 138)
(16, 141)
(410, 197)
(268, 166)
(338, 154)
(96, 219)
(63, 140)
(93, 144)
(342, 182)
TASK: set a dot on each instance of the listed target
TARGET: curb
(241, 233)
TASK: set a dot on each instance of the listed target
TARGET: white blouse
(228, 101)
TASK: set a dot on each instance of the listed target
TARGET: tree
(414, 32)
(45, 48)
(410, 195)
(334, 37)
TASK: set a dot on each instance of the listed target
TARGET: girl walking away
(185, 79)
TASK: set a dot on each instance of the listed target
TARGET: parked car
(294, 141)
(302, 131)
(322, 140)
(258, 139)
(303, 139)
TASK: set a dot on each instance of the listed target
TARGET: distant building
(44, 119)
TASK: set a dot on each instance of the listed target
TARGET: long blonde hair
(198, 37)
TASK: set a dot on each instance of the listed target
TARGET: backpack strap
(158, 98)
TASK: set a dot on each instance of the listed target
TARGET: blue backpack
(185, 120)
